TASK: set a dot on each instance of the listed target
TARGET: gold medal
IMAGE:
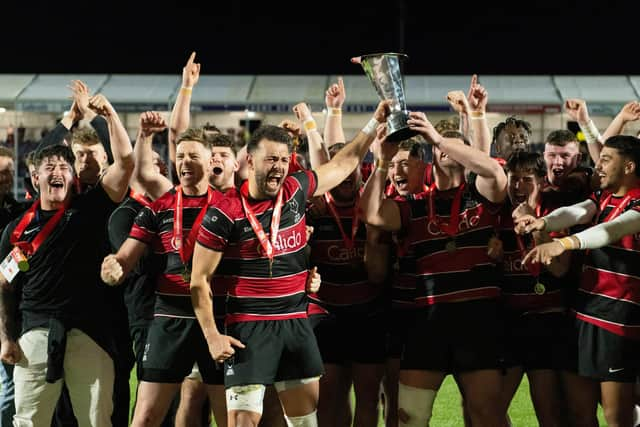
(539, 288)
(186, 275)
(451, 246)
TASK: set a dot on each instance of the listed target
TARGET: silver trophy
(383, 70)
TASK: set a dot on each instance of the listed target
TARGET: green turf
(447, 411)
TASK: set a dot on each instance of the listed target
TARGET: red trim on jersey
(264, 287)
(626, 331)
(611, 284)
(172, 284)
(442, 262)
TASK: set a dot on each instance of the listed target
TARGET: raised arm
(378, 211)
(578, 112)
(81, 96)
(629, 113)
(144, 173)
(478, 98)
(180, 115)
(347, 159)
(334, 99)
(491, 182)
(115, 181)
(318, 153)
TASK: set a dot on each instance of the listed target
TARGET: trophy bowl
(383, 71)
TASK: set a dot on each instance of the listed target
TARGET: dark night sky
(236, 37)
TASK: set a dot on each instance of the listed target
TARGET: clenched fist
(111, 272)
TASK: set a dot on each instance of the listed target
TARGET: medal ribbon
(140, 198)
(348, 243)
(534, 269)
(267, 244)
(186, 250)
(633, 193)
(454, 218)
(30, 248)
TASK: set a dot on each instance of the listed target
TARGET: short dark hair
(511, 120)
(271, 133)
(532, 162)
(28, 159)
(85, 136)
(222, 140)
(628, 146)
(561, 138)
(416, 146)
(58, 150)
(195, 134)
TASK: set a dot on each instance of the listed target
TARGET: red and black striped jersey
(345, 283)
(446, 275)
(154, 226)
(518, 284)
(258, 291)
(609, 293)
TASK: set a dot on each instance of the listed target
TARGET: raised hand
(151, 122)
(191, 72)
(111, 271)
(335, 96)
(383, 110)
(101, 105)
(418, 121)
(478, 97)
(292, 127)
(302, 111)
(313, 280)
(630, 112)
(577, 110)
(80, 94)
(458, 101)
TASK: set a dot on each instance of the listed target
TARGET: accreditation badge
(13, 263)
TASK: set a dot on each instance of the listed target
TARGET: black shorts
(276, 350)
(605, 356)
(345, 339)
(399, 321)
(538, 341)
(139, 338)
(173, 346)
(455, 337)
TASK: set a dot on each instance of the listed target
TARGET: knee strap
(309, 420)
(416, 403)
(245, 398)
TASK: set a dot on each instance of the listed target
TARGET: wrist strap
(591, 132)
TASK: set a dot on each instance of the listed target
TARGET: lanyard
(534, 269)
(186, 250)
(631, 194)
(267, 244)
(348, 242)
(30, 248)
(454, 219)
(140, 198)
